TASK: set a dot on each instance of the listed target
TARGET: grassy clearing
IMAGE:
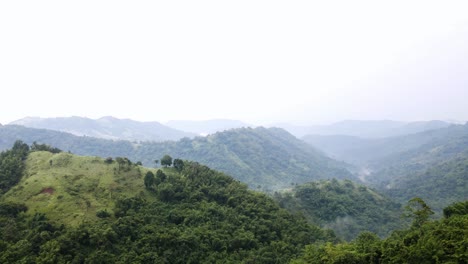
(70, 189)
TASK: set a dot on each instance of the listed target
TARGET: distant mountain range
(206, 127)
(266, 158)
(107, 128)
(365, 129)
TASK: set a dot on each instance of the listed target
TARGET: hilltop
(271, 158)
(106, 127)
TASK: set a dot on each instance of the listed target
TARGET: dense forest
(344, 206)
(266, 158)
(441, 241)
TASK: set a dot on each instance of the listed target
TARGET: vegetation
(443, 241)
(344, 206)
(88, 210)
(11, 165)
(439, 185)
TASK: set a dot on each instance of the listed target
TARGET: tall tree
(166, 161)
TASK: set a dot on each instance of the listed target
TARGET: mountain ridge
(106, 127)
(271, 158)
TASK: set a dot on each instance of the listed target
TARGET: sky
(302, 62)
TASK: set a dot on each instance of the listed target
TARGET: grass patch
(71, 189)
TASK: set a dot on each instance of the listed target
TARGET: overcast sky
(257, 61)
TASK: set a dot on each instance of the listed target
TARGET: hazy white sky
(257, 61)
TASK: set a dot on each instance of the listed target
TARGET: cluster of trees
(12, 166)
(442, 241)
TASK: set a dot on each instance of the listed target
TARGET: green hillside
(439, 186)
(344, 206)
(271, 158)
(72, 209)
(442, 241)
(71, 189)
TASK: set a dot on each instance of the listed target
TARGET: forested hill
(344, 206)
(265, 158)
(71, 209)
(106, 127)
(439, 185)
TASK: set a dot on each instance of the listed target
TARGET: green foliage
(439, 185)
(12, 166)
(443, 241)
(178, 164)
(344, 206)
(419, 211)
(460, 208)
(166, 161)
(103, 214)
(149, 180)
(197, 215)
(44, 147)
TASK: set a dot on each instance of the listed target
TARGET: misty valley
(109, 190)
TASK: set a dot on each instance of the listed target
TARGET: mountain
(263, 158)
(366, 129)
(380, 152)
(206, 127)
(346, 207)
(107, 128)
(430, 164)
(72, 209)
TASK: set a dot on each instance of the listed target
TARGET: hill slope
(271, 158)
(100, 213)
(344, 206)
(107, 128)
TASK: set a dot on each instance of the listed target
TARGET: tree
(156, 163)
(160, 177)
(419, 210)
(166, 161)
(149, 180)
(178, 164)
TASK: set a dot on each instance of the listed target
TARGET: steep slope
(271, 158)
(206, 127)
(107, 128)
(344, 206)
(101, 212)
